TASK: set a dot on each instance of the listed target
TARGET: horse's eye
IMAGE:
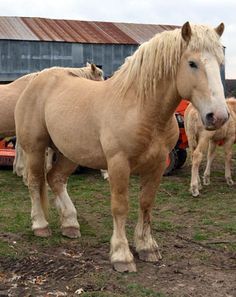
(192, 64)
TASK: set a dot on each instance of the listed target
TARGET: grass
(206, 218)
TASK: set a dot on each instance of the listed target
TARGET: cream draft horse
(201, 140)
(125, 124)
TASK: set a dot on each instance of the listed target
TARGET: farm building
(31, 44)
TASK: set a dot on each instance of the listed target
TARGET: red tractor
(178, 155)
(7, 151)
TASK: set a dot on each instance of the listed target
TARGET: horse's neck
(156, 109)
(161, 108)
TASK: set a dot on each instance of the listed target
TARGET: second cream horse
(200, 141)
(9, 95)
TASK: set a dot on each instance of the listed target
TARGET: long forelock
(159, 59)
(87, 72)
(206, 38)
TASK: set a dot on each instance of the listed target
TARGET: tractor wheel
(181, 157)
(171, 162)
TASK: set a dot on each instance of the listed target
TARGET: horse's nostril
(210, 117)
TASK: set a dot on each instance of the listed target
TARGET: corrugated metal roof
(25, 28)
(142, 32)
(14, 28)
(77, 31)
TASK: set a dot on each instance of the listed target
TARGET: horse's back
(9, 95)
(231, 102)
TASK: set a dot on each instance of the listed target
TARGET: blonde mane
(159, 58)
(85, 72)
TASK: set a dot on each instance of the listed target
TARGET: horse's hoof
(43, 232)
(149, 256)
(194, 191)
(206, 180)
(124, 267)
(71, 232)
(229, 181)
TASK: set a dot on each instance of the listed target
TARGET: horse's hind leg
(120, 254)
(38, 193)
(146, 246)
(57, 179)
(210, 157)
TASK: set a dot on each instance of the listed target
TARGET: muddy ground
(70, 270)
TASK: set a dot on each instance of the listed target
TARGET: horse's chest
(226, 131)
(161, 142)
(155, 154)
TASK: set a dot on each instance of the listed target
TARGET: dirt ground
(79, 268)
(70, 270)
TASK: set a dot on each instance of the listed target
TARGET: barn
(31, 44)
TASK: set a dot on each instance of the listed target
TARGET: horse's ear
(186, 32)
(88, 64)
(220, 29)
(93, 67)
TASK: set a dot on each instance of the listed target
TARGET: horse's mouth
(210, 128)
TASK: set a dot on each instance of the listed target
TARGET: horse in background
(201, 141)
(9, 95)
(125, 123)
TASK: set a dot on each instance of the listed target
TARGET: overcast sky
(173, 12)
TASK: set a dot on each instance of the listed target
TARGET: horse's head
(95, 72)
(198, 75)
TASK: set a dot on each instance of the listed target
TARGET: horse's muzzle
(214, 122)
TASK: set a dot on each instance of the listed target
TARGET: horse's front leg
(120, 254)
(210, 157)
(197, 156)
(145, 244)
